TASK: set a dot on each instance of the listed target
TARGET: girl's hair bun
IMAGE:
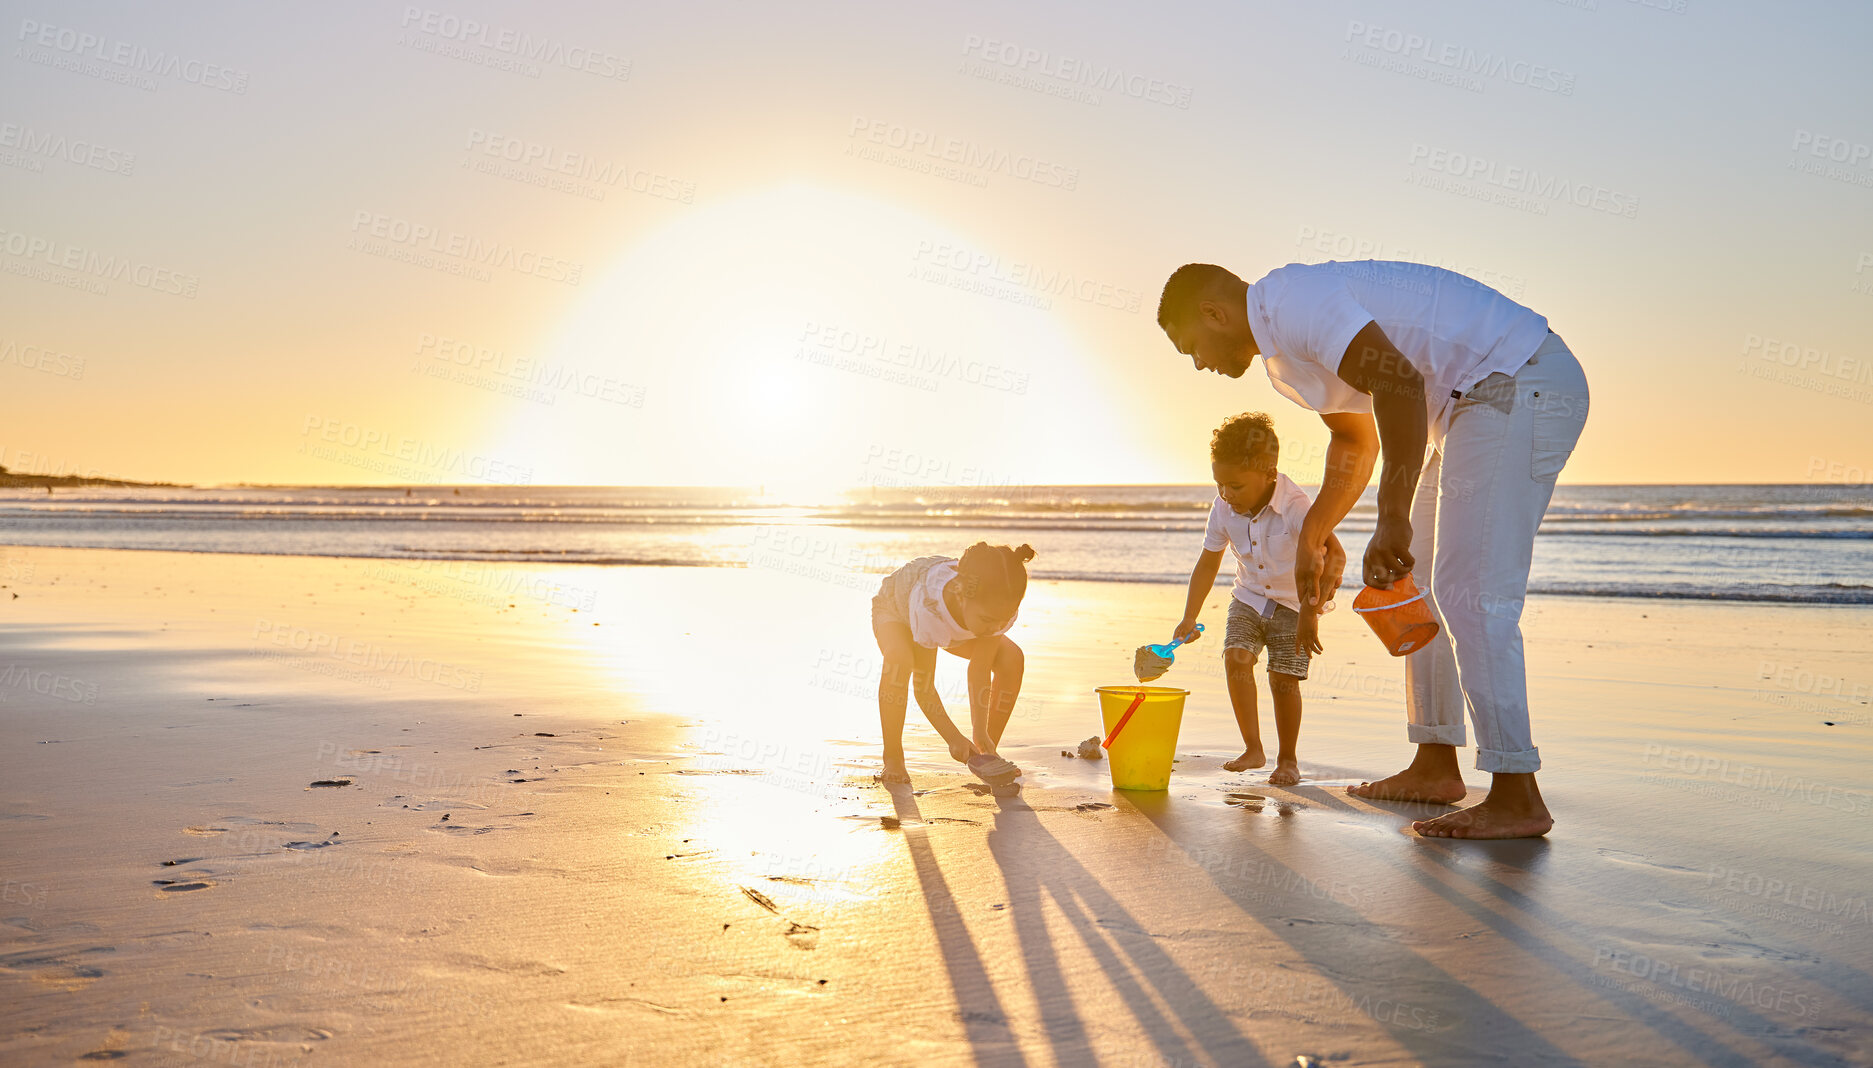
(995, 570)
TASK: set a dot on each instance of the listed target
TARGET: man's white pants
(1479, 502)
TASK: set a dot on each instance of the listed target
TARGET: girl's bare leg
(1005, 687)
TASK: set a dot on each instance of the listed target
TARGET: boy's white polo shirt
(1455, 330)
(1264, 545)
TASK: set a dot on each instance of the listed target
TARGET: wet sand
(629, 819)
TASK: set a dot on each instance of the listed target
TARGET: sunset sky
(809, 247)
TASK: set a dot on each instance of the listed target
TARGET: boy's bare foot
(1252, 757)
(1286, 773)
(1489, 818)
(1412, 785)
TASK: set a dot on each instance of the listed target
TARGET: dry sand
(628, 820)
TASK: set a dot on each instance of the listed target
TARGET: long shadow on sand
(983, 1019)
(1357, 967)
(1036, 869)
(1362, 968)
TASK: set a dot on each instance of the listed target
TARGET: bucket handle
(1419, 596)
(1124, 719)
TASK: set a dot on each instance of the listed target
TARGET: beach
(284, 810)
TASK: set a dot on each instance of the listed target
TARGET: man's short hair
(1248, 440)
(1187, 286)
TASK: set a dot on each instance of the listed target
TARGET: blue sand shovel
(1152, 661)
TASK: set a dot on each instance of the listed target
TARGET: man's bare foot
(892, 776)
(1412, 785)
(1489, 818)
(1286, 773)
(1252, 757)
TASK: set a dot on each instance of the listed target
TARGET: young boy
(1258, 514)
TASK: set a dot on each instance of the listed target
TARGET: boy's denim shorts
(1248, 630)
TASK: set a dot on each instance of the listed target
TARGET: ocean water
(1775, 543)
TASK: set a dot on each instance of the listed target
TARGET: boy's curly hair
(1248, 439)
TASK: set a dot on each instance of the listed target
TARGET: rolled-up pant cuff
(1522, 762)
(1436, 734)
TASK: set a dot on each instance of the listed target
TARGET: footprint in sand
(328, 782)
(176, 886)
(103, 1055)
(60, 970)
(761, 899)
(1258, 803)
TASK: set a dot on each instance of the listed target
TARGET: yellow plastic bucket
(1140, 757)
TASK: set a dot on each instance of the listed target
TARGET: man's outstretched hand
(1388, 554)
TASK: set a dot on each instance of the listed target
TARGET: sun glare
(781, 339)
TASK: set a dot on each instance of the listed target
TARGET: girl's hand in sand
(1186, 632)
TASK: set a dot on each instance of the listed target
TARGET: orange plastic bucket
(1399, 616)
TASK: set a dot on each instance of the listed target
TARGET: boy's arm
(1307, 631)
(1202, 581)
